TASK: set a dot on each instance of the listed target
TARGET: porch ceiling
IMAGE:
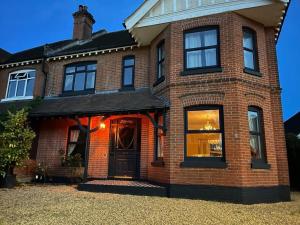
(97, 104)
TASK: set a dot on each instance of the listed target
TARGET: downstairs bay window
(20, 85)
(204, 136)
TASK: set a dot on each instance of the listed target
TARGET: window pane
(11, 89)
(92, 67)
(90, 80)
(69, 83)
(210, 37)
(13, 76)
(248, 40)
(29, 88)
(128, 75)
(203, 120)
(80, 68)
(255, 145)
(211, 57)
(160, 145)
(21, 76)
(129, 62)
(253, 121)
(248, 59)
(70, 69)
(194, 59)
(204, 145)
(193, 40)
(31, 74)
(20, 87)
(79, 82)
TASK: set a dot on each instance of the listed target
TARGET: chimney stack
(83, 24)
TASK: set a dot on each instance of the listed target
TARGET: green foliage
(15, 140)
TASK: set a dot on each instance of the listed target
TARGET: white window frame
(25, 87)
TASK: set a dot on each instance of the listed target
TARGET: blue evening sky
(26, 24)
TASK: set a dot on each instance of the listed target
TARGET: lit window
(128, 72)
(161, 60)
(80, 77)
(202, 48)
(21, 84)
(76, 143)
(204, 132)
(159, 140)
(256, 133)
(250, 50)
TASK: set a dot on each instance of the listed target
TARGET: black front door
(124, 155)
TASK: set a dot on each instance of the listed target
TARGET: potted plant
(15, 143)
(73, 166)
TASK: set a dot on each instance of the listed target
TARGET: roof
(105, 41)
(3, 55)
(13, 105)
(292, 125)
(99, 41)
(119, 102)
(35, 53)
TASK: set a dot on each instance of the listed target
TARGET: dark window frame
(160, 61)
(207, 161)
(131, 86)
(254, 51)
(79, 64)
(257, 163)
(70, 129)
(204, 69)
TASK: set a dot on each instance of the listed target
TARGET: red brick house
(187, 96)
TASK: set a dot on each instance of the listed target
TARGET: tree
(15, 141)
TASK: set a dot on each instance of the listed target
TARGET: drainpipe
(44, 72)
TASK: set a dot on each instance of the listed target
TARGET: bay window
(250, 50)
(201, 48)
(21, 85)
(80, 77)
(256, 133)
(161, 61)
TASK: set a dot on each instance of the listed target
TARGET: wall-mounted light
(102, 125)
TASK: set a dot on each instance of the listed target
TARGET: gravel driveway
(65, 205)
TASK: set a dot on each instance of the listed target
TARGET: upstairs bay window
(80, 77)
(161, 61)
(202, 49)
(20, 85)
(250, 51)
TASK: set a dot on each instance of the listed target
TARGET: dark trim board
(246, 195)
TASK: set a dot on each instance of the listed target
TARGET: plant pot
(9, 181)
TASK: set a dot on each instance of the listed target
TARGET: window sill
(158, 163)
(216, 164)
(127, 89)
(253, 72)
(160, 80)
(74, 93)
(260, 165)
(17, 99)
(201, 71)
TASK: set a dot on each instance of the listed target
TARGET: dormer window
(20, 85)
(80, 78)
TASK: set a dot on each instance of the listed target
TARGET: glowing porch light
(102, 125)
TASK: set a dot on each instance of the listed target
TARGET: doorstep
(124, 187)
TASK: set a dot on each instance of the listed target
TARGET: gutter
(282, 21)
